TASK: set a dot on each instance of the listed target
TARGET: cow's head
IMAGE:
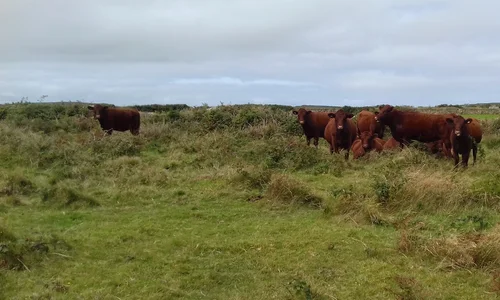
(366, 138)
(384, 113)
(458, 124)
(301, 115)
(98, 110)
(340, 118)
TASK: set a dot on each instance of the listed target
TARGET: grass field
(482, 116)
(230, 203)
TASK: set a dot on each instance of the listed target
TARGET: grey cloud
(239, 51)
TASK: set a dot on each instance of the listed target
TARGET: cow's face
(340, 118)
(98, 110)
(367, 138)
(301, 115)
(458, 124)
(384, 113)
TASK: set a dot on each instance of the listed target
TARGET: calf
(313, 124)
(119, 119)
(367, 122)
(371, 141)
(406, 126)
(461, 141)
(357, 149)
(391, 144)
(340, 132)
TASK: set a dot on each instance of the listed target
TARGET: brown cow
(407, 126)
(340, 132)
(367, 122)
(475, 131)
(391, 144)
(461, 141)
(119, 119)
(371, 141)
(357, 149)
(313, 123)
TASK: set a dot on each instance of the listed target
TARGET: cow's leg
(455, 156)
(347, 154)
(316, 141)
(465, 158)
(108, 132)
(308, 141)
(474, 153)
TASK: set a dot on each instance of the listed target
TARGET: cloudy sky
(294, 52)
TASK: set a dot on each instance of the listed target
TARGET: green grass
(231, 204)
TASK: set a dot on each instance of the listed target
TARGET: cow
(313, 124)
(391, 144)
(406, 126)
(340, 131)
(371, 141)
(119, 119)
(357, 149)
(367, 122)
(461, 141)
(475, 131)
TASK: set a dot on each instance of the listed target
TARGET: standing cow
(119, 119)
(406, 126)
(461, 141)
(367, 122)
(313, 124)
(340, 132)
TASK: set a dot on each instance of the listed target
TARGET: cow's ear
(295, 112)
(390, 108)
(90, 107)
(331, 115)
(349, 115)
(376, 113)
(468, 121)
(105, 107)
(380, 107)
(308, 112)
(449, 121)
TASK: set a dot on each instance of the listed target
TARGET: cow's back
(391, 144)
(423, 127)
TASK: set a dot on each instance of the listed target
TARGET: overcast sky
(294, 52)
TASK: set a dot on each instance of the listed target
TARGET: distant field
(482, 116)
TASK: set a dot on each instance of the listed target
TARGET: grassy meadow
(230, 203)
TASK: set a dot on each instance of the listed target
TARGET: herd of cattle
(450, 134)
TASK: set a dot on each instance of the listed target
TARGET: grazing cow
(340, 132)
(391, 144)
(461, 141)
(120, 119)
(407, 126)
(357, 149)
(313, 123)
(367, 122)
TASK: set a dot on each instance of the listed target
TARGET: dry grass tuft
(472, 250)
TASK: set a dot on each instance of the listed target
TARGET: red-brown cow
(407, 126)
(391, 144)
(340, 132)
(367, 122)
(475, 131)
(357, 149)
(461, 141)
(313, 124)
(371, 141)
(119, 119)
